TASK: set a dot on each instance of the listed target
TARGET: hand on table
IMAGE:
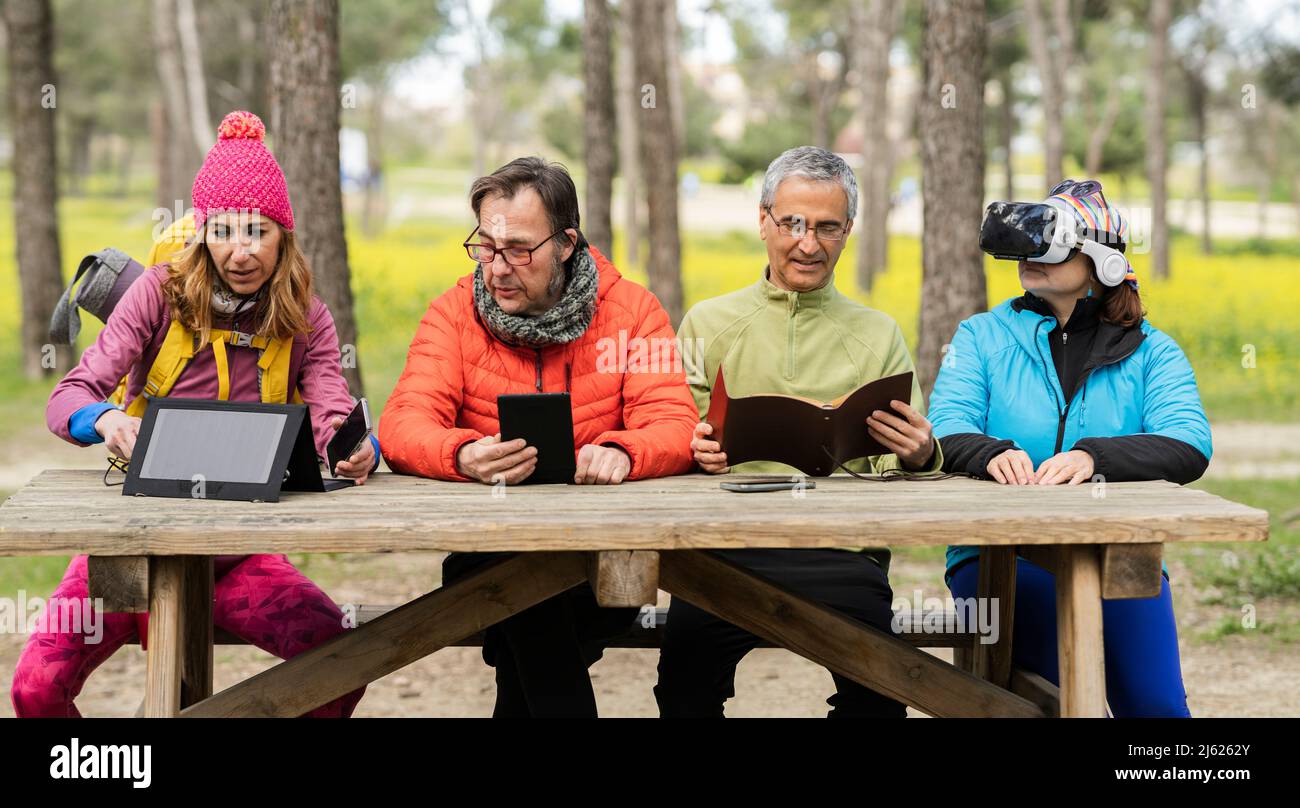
(1013, 467)
(602, 465)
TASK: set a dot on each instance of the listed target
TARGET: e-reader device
(543, 420)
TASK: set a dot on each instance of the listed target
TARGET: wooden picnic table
(155, 555)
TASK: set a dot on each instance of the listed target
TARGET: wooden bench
(638, 635)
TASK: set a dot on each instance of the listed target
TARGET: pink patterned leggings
(263, 599)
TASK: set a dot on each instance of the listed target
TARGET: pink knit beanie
(240, 174)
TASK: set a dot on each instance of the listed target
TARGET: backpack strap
(180, 346)
(295, 365)
(176, 352)
(273, 371)
(99, 283)
(223, 368)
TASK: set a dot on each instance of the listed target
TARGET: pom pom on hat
(241, 124)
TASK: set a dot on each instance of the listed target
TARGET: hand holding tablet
(544, 421)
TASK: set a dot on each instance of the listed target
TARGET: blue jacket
(998, 379)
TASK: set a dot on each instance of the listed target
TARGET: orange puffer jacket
(624, 376)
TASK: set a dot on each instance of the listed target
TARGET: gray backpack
(101, 280)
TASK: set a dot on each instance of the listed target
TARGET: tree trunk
(374, 202)
(1051, 98)
(672, 57)
(32, 102)
(176, 142)
(821, 116)
(124, 166)
(305, 123)
(1203, 182)
(246, 31)
(1157, 156)
(1007, 134)
(1295, 200)
(873, 23)
(1101, 132)
(196, 88)
(598, 123)
(629, 142)
(81, 131)
(1269, 130)
(1197, 100)
(952, 176)
(658, 155)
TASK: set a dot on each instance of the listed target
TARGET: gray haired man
(793, 333)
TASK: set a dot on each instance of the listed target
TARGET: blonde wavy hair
(281, 312)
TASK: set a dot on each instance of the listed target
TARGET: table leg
(1080, 653)
(997, 579)
(860, 652)
(399, 637)
(179, 657)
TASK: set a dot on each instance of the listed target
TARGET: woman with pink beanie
(243, 275)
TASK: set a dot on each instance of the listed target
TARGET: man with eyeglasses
(793, 333)
(537, 315)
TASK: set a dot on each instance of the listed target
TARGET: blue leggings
(1143, 676)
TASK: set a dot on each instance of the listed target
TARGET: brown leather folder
(813, 436)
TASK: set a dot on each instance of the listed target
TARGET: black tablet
(544, 420)
(232, 450)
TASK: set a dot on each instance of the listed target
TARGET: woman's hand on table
(1071, 468)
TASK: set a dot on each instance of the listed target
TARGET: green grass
(1262, 580)
(1242, 572)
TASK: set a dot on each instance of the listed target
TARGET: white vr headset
(1033, 231)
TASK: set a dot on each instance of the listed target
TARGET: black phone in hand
(354, 432)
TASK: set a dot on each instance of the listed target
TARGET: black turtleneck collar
(1086, 314)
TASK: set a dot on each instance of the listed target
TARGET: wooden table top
(71, 511)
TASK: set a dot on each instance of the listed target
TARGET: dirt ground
(1237, 676)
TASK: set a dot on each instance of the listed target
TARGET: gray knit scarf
(564, 322)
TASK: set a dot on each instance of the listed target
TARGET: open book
(813, 436)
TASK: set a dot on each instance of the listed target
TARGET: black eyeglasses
(514, 256)
(796, 227)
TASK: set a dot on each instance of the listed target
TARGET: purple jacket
(134, 333)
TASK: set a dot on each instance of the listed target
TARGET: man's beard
(554, 289)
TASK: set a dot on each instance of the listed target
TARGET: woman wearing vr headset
(232, 317)
(1067, 384)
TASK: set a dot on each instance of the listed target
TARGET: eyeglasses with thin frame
(797, 228)
(514, 256)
